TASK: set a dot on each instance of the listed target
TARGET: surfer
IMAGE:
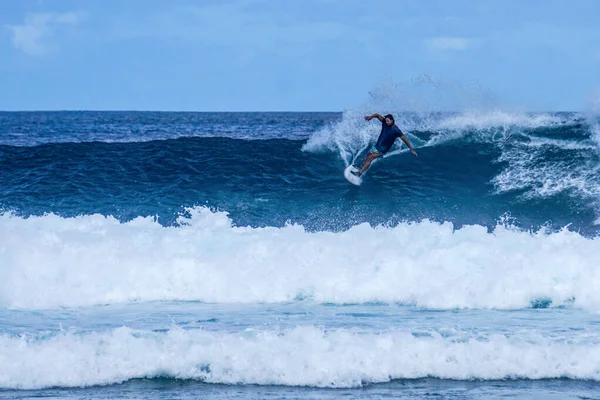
(389, 133)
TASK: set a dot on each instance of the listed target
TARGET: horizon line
(270, 111)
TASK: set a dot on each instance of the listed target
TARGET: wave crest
(302, 356)
(51, 262)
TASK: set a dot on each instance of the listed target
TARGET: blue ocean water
(224, 255)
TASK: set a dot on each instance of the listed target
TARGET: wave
(473, 167)
(50, 262)
(14, 141)
(30, 129)
(302, 356)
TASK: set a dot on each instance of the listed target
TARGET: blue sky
(291, 55)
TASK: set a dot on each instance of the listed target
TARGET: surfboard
(353, 179)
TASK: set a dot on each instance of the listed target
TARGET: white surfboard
(353, 179)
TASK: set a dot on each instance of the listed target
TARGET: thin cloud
(448, 43)
(29, 36)
(236, 25)
(244, 29)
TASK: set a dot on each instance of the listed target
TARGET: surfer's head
(389, 120)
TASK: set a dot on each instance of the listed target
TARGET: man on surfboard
(389, 133)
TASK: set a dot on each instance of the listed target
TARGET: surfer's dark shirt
(387, 137)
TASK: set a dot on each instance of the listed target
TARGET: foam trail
(50, 262)
(525, 171)
(302, 356)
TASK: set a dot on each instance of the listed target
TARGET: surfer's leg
(368, 161)
(370, 157)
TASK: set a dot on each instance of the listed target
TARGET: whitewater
(302, 356)
(52, 262)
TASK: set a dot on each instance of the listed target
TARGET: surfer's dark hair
(390, 116)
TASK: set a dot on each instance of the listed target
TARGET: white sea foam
(302, 356)
(532, 167)
(49, 261)
(539, 142)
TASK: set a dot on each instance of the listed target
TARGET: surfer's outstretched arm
(405, 140)
(378, 116)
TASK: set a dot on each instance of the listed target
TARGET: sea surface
(223, 255)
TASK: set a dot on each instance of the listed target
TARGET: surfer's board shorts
(375, 151)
